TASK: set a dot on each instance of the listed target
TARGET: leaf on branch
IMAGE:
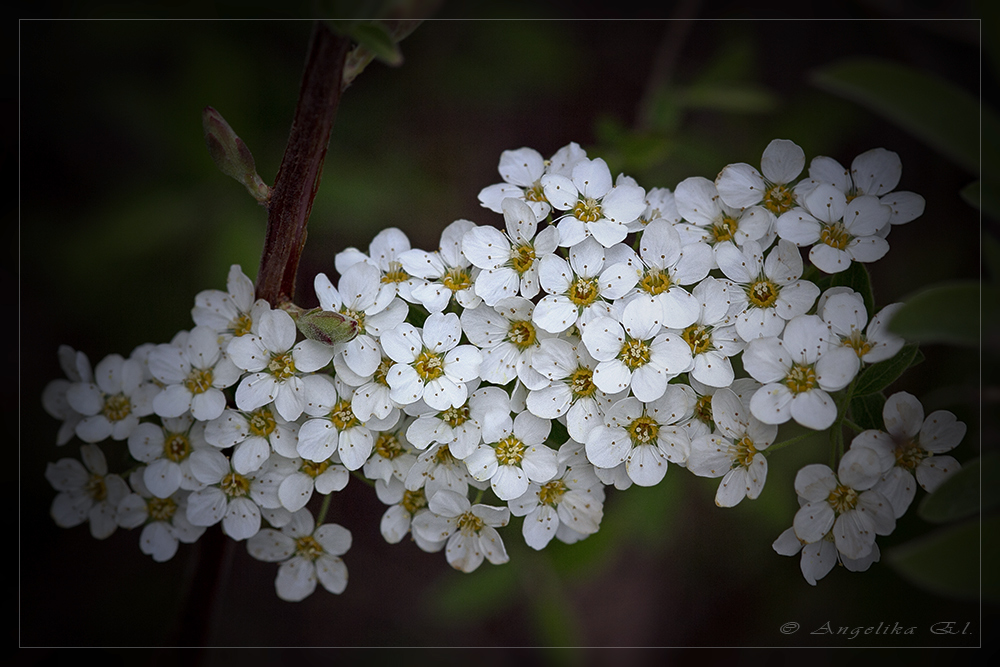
(936, 111)
(959, 497)
(866, 411)
(949, 313)
(878, 376)
(231, 155)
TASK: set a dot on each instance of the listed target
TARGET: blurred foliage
(125, 219)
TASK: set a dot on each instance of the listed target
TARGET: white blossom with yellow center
(522, 171)
(448, 273)
(711, 220)
(468, 530)
(512, 454)
(193, 372)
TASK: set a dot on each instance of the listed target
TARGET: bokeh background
(124, 218)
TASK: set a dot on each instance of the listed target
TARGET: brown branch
(302, 165)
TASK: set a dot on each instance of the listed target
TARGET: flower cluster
(521, 370)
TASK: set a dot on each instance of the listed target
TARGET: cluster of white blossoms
(520, 370)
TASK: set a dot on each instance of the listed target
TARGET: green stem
(791, 441)
(323, 509)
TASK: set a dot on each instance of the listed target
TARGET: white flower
(359, 297)
(741, 185)
(580, 290)
(229, 313)
(633, 353)
(114, 401)
(86, 492)
(193, 373)
(430, 364)
(166, 450)
(797, 371)
(508, 339)
(513, 454)
(509, 262)
(712, 336)
(571, 505)
(254, 434)
(771, 291)
(643, 436)
(447, 272)
(713, 220)
(844, 503)
(660, 204)
(597, 207)
(913, 446)
(460, 428)
(164, 520)
(333, 428)
(76, 366)
(819, 557)
(297, 478)
(571, 390)
(844, 310)
(406, 505)
(734, 451)
(521, 171)
(392, 456)
(306, 556)
(470, 530)
(276, 364)
(384, 251)
(838, 231)
(226, 496)
(875, 172)
(438, 469)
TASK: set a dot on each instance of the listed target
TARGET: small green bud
(323, 325)
(231, 155)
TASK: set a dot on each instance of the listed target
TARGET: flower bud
(326, 327)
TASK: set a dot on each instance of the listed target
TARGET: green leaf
(948, 313)
(866, 411)
(376, 39)
(856, 277)
(959, 496)
(936, 111)
(948, 562)
(878, 376)
(729, 97)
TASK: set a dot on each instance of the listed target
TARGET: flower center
(703, 410)
(117, 407)
(161, 509)
(778, 200)
(551, 492)
(587, 210)
(455, 417)
(698, 338)
(343, 417)
(388, 446)
(308, 547)
(635, 353)
(429, 366)
(909, 455)
(382, 372)
(584, 291)
(469, 523)
(96, 488)
(456, 280)
(763, 293)
(510, 451)
(522, 258)
(643, 430)
(261, 422)
(724, 229)
(199, 381)
(655, 281)
(535, 192)
(857, 341)
(800, 379)
(744, 452)
(443, 457)
(314, 469)
(241, 325)
(842, 499)
(581, 382)
(414, 500)
(282, 366)
(835, 235)
(395, 274)
(522, 334)
(235, 485)
(176, 447)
